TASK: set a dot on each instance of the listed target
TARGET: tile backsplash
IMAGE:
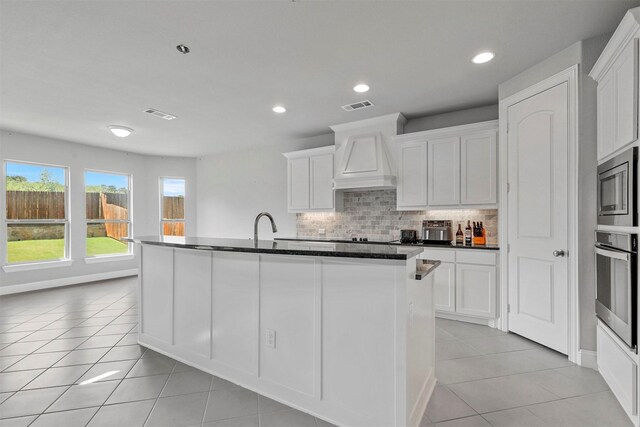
(373, 214)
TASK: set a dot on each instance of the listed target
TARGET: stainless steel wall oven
(617, 190)
(617, 284)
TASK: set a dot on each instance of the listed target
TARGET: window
(172, 192)
(36, 214)
(108, 211)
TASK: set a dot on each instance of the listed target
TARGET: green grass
(42, 250)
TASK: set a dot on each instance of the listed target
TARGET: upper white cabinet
(616, 73)
(448, 168)
(310, 180)
(478, 168)
(412, 170)
(443, 170)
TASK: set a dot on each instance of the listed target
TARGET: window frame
(160, 205)
(66, 221)
(129, 221)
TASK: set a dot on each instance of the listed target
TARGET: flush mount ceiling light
(361, 88)
(483, 57)
(120, 131)
(279, 109)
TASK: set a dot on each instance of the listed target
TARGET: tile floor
(69, 357)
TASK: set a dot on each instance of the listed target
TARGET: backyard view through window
(172, 206)
(108, 212)
(36, 214)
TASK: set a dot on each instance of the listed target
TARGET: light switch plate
(270, 338)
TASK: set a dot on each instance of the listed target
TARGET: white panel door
(625, 69)
(476, 290)
(478, 169)
(322, 182)
(298, 175)
(538, 162)
(444, 287)
(443, 181)
(192, 301)
(412, 174)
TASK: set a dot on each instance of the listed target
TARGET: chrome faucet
(255, 225)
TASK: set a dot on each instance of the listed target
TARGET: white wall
(234, 187)
(145, 171)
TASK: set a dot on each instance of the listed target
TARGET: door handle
(559, 253)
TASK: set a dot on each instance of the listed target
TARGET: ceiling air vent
(159, 113)
(357, 105)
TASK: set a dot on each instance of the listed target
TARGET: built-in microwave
(617, 190)
(617, 284)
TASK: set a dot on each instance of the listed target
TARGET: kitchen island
(342, 331)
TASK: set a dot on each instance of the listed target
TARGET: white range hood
(363, 158)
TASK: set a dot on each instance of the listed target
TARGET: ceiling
(70, 68)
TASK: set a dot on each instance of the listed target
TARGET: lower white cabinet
(619, 368)
(465, 282)
(444, 287)
(476, 290)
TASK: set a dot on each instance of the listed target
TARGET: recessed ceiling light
(279, 109)
(120, 131)
(360, 88)
(183, 49)
(483, 57)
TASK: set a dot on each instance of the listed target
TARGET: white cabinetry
(448, 168)
(310, 180)
(616, 73)
(466, 282)
(412, 174)
(443, 166)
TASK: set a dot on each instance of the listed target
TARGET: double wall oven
(617, 284)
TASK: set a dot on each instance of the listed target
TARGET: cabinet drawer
(618, 370)
(472, 256)
(443, 255)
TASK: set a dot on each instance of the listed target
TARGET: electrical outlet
(321, 231)
(270, 338)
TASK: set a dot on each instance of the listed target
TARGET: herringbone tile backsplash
(373, 214)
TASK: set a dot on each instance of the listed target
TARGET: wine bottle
(467, 234)
(459, 236)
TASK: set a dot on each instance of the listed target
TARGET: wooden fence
(172, 207)
(35, 205)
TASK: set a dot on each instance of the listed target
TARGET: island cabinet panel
(287, 306)
(234, 310)
(366, 306)
(192, 301)
(156, 293)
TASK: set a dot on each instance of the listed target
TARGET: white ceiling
(70, 68)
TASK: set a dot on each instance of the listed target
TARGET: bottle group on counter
(472, 236)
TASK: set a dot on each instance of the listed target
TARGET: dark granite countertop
(424, 267)
(392, 243)
(283, 247)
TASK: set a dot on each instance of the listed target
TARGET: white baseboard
(65, 281)
(463, 318)
(587, 359)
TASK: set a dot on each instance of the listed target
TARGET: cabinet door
(443, 179)
(322, 181)
(476, 290)
(606, 115)
(444, 287)
(298, 177)
(478, 169)
(412, 174)
(625, 69)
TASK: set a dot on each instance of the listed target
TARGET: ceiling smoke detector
(160, 114)
(357, 105)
